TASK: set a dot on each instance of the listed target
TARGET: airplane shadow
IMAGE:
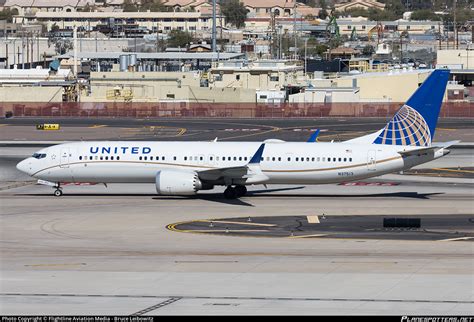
(219, 198)
(414, 195)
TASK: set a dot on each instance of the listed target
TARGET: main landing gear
(235, 192)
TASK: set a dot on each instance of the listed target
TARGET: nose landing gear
(59, 191)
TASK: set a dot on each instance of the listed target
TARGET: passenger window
(112, 158)
(185, 158)
(151, 158)
(140, 158)
(200, 158)
(107, 158)
(163, 158)
(90, 158)
(297, 158)
(345, 159)
(174, 158)
(145, 158)
(307, 159)
(102, 158)
(319, 159)
(235, 158)
(118, 158)
(217, 158)
(339, 159)
(240, 158)
(279, 158)
(289, 159)
(210, 158)
(273, 159)
(350, 159)
(80, 158)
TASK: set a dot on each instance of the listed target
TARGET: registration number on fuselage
(345, 174)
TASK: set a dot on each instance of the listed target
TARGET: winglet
(313, 136)
(258, 155)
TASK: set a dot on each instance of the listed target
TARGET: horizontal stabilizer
(417, 151)
(435, 147)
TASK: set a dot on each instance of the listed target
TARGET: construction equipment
(377, 28)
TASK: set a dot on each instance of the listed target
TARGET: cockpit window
(39, 155)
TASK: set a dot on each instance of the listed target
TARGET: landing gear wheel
(58, 192)
(240, 191)
(230, 193)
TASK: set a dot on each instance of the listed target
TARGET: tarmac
(110, 250)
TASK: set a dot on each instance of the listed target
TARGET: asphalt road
(288, 129)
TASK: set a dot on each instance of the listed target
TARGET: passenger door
(64, 159)
(371, 160)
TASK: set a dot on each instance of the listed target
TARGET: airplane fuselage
(282, 163)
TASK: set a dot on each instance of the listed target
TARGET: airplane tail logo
(415, 122)
(407, 127)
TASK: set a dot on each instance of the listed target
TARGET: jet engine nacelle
(175, 182)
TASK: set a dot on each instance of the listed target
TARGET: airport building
(36, 85)
(258, 75)
(161, 22)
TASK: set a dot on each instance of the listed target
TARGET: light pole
(305, 48)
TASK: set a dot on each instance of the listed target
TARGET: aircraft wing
(221, 173)
(250, 173)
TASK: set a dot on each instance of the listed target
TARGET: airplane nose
(24, 166)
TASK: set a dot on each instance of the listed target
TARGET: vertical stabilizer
(415, 122)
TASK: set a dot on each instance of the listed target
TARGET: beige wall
(255, 79)
(454, 57)
(382, 87)
(31, 94)
(146, 86)
(162, 86)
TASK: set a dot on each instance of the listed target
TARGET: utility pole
(439, 35)
(305, 51)
(455, 40)
(6, 55)
(27, 49)
(294, 27)
(214, 44)
(75, 52)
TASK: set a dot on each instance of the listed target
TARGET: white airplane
(184, 168)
